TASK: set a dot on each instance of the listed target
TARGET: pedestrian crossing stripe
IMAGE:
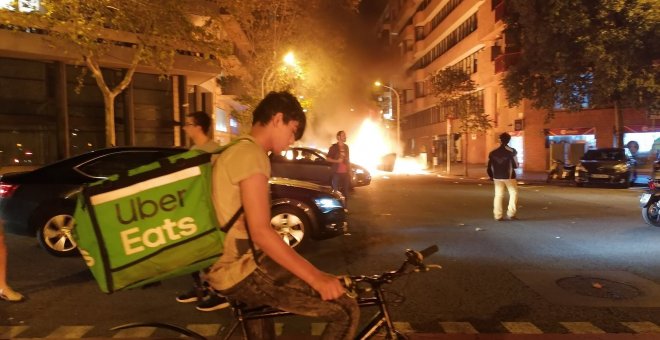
(449, 327)
(137, 332)
(582, 328)
(642, 327)
(521, 328)
(69, 332)
(458, 328)
(11, 331)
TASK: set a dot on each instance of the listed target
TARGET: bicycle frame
(379, 320)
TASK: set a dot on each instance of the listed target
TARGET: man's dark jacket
(334, 154)
(502, 163)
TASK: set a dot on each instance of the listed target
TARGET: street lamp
(398, 114)
(288, 59)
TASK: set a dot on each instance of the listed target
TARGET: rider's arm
(256, 202)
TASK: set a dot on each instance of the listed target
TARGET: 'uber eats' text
(135, 240)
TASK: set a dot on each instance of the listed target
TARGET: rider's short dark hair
(284, 102)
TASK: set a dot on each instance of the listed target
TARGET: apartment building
(45, 115)
(431, 35)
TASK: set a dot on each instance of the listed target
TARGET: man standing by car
(501, 169)
(341, 167)
(196, 126)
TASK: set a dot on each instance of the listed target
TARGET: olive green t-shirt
(235, 164)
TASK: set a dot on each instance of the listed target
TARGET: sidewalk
(478, 171)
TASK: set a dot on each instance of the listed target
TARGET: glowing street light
(288, 59)
(398, 113)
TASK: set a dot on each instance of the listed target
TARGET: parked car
(41, 202)
(614, 166)
(311, 165)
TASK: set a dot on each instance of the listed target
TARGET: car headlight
(581, 167)
(621, 167)
(359, 171)
(326, 204)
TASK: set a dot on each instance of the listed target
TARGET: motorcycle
(560, 170)
(650, 199)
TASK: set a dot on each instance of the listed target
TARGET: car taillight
(652, 184)
(6, 190)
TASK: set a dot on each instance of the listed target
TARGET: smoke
(350, 96)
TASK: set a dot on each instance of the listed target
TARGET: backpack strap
(225, 228)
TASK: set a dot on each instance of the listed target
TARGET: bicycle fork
(380, 319)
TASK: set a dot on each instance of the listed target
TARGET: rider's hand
(328, 286)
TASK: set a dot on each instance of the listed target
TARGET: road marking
(582, 328)
(403, 327)
(137, 332)
(643, 327)
(69, 332)
(209, 329)
(458, 328)
(7, 332)
(521, 328)
(318, 328)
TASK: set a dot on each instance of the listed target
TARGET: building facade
(52, 109)
(431, 35)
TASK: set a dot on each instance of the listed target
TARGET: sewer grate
(598, 287)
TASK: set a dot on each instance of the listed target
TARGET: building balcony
(506, 60)
(500, 10)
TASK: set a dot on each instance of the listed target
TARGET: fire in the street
(371, 145)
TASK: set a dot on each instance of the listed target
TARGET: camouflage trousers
(280, 289)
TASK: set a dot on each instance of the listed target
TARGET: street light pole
(398, 115)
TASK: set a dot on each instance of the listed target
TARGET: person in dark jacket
(340, 158)
(502, 166)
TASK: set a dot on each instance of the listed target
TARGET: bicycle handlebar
(413, 258)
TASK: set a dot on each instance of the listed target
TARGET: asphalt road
(579, 261)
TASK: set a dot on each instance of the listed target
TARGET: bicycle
(356, 286)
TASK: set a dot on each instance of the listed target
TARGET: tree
(147, 34)
(583, 53)
(455, 91)
(308, 28)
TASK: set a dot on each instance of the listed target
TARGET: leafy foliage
(602, 52)
(454, 89)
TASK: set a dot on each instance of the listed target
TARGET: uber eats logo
(135, 240)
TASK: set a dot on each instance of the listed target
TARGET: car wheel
(651, 214)
(54, 235)
(291, 223)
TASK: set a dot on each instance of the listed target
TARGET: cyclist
(282, 279)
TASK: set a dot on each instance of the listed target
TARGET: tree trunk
(109, 95)
(618, 121)
(465, 154)
(110, 138)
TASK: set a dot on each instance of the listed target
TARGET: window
(23, 5)
(464, 30)
(419, 89)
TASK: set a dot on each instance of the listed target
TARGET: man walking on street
(501, 170)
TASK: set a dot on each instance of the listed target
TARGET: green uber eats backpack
(152, 223)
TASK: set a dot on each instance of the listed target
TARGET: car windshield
(605, 155)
